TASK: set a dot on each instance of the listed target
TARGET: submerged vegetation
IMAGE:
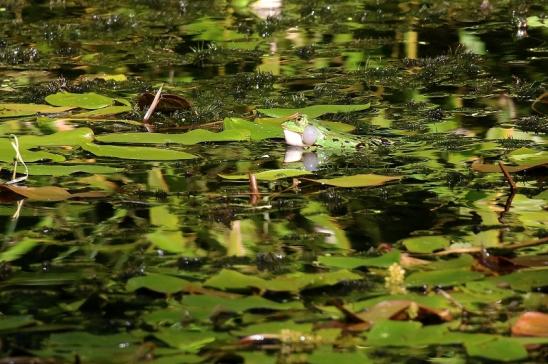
(193, 234)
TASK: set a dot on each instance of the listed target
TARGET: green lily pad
(158, 283)
(314, 111)
(133, 152)
(89, 100)
(8, 323)
(384, 260)
(256, 131)
(11, 110)
(186, 340)
(448, 277)
(271, 175)
(240, 304)
(426, 244)
(105, 111)
(499, 349)
(65, 170)
(170, 241)
(358, 180)
(18, 249)
(192, 137)
(328, 356)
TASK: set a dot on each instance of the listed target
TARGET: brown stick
(509, 178)
(151, 109)
(253, 189)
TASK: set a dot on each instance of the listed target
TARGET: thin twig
(253, 189)
(509, 178)
(18, 158)
(151, 109)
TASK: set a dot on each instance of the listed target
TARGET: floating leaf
(158, 283)
(271, 175)
(528, 156)
(495, 168)
(499, 349)
(383, 261)
(531, 324)
(314, 111)
(89, 100)
(192, 137)
(46, 193)
(256, 131)
(426, 244)
(65, 170)
(331, 125)
(448, 277)
(170, 241)
(8, 323)
(358, 180)
(231, 279)
(15, 110)
(239, 304)
(523, 280)
(105, 111)
(186, 340)
(17, 249)
(132, 152)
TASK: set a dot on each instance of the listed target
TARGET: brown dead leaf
(47, 193)
(168, 103)
(495, 168)
(531, 324)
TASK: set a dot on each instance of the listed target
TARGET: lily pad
(358, 180)
(89, 100)
(499, 349)
(383, 261)
(138, 153)
(314, 111)
(65, 170)
(271, 175)
(15, 110)
(18, 249)
(158, 283)
(443, 278)
(256, 131)
(192, 137)
(426, 244)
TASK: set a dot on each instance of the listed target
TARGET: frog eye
(310, 135)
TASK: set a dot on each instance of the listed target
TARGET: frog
(300, 131)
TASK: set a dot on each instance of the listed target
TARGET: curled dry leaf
(531, 324)
(495, 168)
(168, 102)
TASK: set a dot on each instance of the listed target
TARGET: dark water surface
(174, 264)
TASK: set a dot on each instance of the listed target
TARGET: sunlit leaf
(358, 180)
(499, 349)
(109, 110)
(256, 131)
(15, 110)
(240, 304)
(448, 277)
(231, 279)
(89, 100)
(192, 137)
(528, 156)
(495, 168)
(17, 249)
(384, 260)
(46, 193)
(158, 283)
(65, 170)
(170, 241)
(133, 152)
(523, 280)
(314, 111)
(186, 340)
(426, 244)
(271, 175)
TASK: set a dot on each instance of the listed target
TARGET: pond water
(130, 246)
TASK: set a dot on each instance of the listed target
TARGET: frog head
(299, 132)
